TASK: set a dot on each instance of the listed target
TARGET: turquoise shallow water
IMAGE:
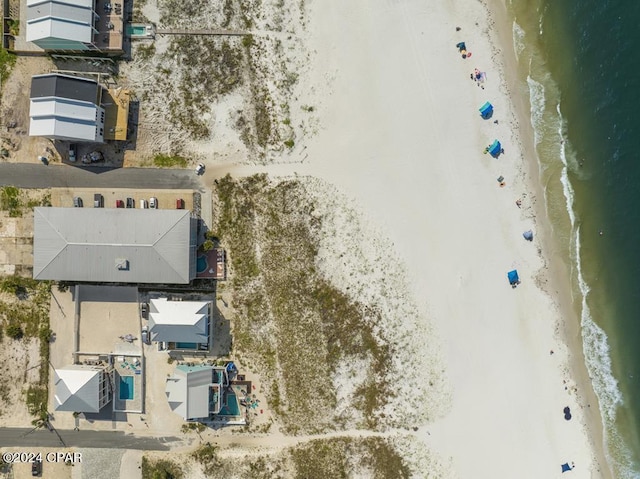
(579, 62)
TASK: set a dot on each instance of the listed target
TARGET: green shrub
(207, 245)
(14, 331)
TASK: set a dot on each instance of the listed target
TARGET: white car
(143, 204)
(153, 203)
(145, 334)
(200, 169)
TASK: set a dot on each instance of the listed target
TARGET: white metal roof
(114, 245)
(178, 321)
(77, 389)
(64, 119)
(64, 19)
(188, 391)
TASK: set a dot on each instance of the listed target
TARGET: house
(180, 325)
(199, 392)
(82, 388)
(113, 245)
(64, 107)
(75, 25)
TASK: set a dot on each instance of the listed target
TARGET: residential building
(64, 107)
(75, 25)
(113, 245)
(180, 325)
(199, 392)
(83, 388)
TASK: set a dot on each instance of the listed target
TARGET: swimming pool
(186, 345)
(140, 30)
(126, 387)
(231, 407)
(201, 264)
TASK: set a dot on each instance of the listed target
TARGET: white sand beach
(401, 136)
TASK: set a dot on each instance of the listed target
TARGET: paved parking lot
(63, 197)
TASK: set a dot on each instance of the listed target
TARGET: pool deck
(216, 267)
(127, 368)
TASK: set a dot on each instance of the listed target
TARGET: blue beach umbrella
(513, 277)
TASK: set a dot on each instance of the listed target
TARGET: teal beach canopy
(486, 110)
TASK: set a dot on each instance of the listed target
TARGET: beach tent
(566, 467)
(495, 149)
(486, 110)
(528, 235)
(513, 277)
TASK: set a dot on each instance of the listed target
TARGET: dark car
(180, 204)
(36, 468)
(77, 202)
(119, 204)
(131, 203)
(144, 310)
(98, 201)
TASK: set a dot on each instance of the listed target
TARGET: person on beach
(518, 202)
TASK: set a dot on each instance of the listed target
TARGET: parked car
(98, 201)
(153, 202)
(200, 169)
(36, 467)
(44, 160)
(143, 203)
(144, 310)
(145, 334)
(180, 204)
(131, 203)
(77, 202)
(73, 151)
(119, 204)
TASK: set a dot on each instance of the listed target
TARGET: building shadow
(132, 125)
(221, 333)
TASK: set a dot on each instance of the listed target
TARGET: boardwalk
(214, 31)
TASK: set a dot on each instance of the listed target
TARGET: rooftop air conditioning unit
(122, 264)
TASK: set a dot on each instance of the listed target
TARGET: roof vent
(122, 264)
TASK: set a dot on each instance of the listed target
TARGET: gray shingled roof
(114, 245)
(64, 86)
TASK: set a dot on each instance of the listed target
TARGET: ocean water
(579, 62)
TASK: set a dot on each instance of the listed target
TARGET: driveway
(27, 175)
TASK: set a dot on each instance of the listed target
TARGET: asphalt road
(30, 175)
(28, 437)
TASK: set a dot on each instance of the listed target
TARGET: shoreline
(391, 114)
(400, 139)
(559, 286)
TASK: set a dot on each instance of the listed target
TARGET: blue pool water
(201, 264)
(231, 408)
(186, 346)
(126, 387)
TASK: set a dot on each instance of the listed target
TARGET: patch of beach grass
(160, 469)
(290, 322)
(170, 161)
